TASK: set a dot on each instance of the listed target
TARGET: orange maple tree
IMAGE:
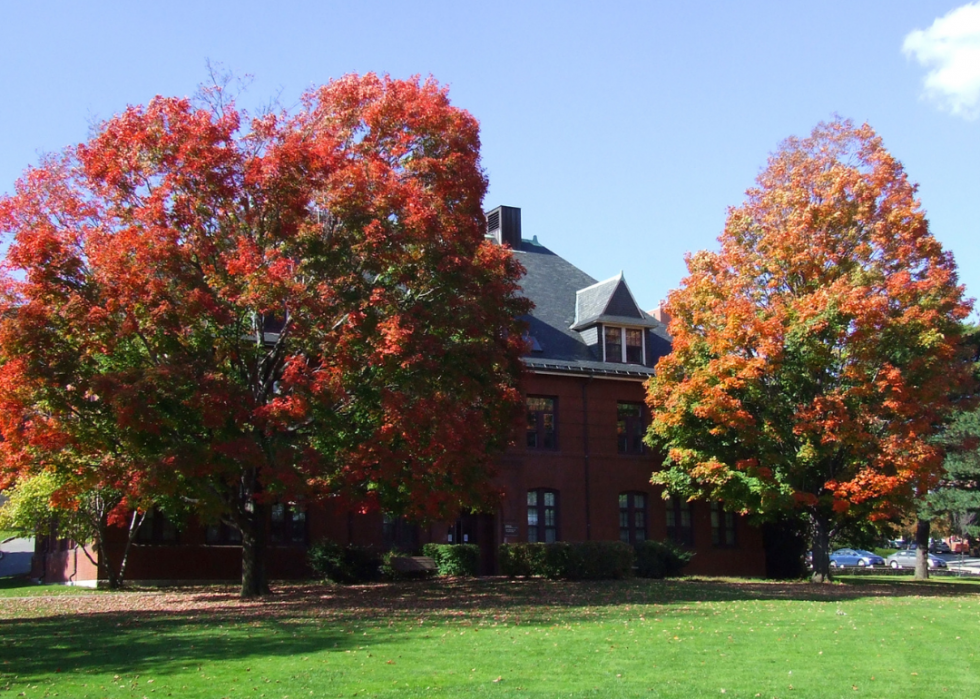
(233, 312)
(816, 352)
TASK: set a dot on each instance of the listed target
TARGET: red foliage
(305, 307)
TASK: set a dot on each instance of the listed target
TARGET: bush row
(348, 565)
(593, 560)
(661, 559)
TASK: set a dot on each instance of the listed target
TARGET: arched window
(542, 515)
(632, 517)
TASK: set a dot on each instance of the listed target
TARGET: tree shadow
(167, 631)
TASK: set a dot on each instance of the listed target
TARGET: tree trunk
(821, 548)
(135, 522)
(922, 549)
(254, 580)
(105, 563)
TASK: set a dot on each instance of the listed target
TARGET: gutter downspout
(585, 449)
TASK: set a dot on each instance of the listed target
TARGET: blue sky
(622, 129)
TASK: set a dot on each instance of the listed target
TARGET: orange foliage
(822, 342)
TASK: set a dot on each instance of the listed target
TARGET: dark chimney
(504, 226)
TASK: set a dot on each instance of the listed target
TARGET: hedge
(346, 565)
(660, 559)
(590, 560)
(454, 559)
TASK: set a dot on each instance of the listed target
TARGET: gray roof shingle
(565, 297)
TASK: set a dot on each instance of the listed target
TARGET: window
(541, 423)
(632, 517)
(623, 345)
(722, 526)
(614, 344)
(156, 529)
(222, 534)
(634, 346)
(287, 524)
(629, 428)
(679, 525)
(542, 515)
(398, 534)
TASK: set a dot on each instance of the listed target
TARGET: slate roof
(611, 302)
(565, 297)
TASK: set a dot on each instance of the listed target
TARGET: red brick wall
(593, 513)
(584, 513)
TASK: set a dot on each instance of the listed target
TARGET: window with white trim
(623, 345)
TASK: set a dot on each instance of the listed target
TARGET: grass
(498, 638)
(20, 586)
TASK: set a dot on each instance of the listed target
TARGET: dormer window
(634, 346)
(623, 345)
(614, 344)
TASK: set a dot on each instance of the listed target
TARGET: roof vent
(504, 226)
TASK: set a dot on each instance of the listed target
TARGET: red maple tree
(815, 354)
(233, 312)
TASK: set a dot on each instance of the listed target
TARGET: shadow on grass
(142, 642)
(168, 631)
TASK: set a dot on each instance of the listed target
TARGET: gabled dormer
(610, 321)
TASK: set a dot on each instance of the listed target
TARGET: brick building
(578, 472)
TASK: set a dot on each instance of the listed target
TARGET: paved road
(16, 557)
(963, 564)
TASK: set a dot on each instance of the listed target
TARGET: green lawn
(22, 587)
(497, 638)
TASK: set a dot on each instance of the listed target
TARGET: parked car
(939, 546)
(842, 558)
(906, 559)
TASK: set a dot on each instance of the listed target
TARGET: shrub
(592, 560)
(454, 559)
(600, 560)
(346, 565)
(660, 559)
(515, 560)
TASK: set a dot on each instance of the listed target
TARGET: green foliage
(958, 495)
(660, 559)
(346, 565)
(457, 560)
(28, 508)
(521, 560)
(589, 560)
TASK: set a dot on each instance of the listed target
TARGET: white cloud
(950, 50)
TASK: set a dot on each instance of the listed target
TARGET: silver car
(906, 559)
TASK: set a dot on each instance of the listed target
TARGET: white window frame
(622, 342)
